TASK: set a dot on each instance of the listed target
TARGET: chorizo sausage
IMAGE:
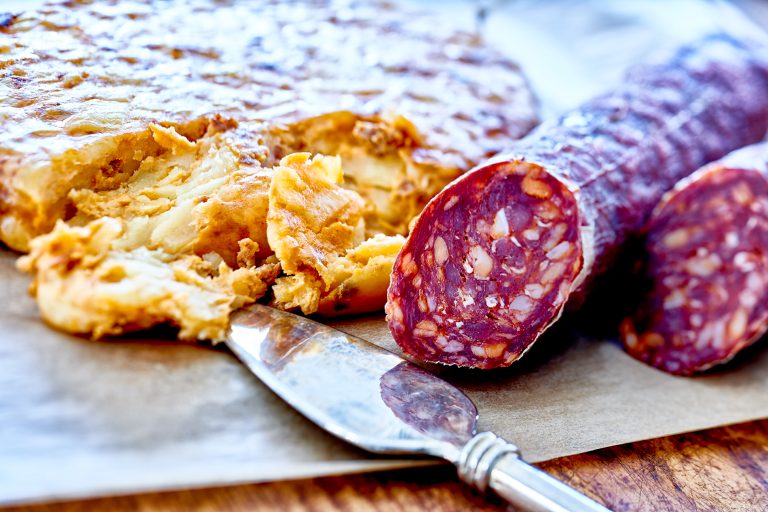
(495, 257)
(707, 264)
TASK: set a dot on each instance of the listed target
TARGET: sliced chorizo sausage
(495, 257)
(707, 264)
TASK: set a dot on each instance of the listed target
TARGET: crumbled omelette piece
(357, 281)
(85, 286)
(316, 229)
(379, 164)
(142, 253)
(199, 231)
(165, 201)
(312, 219)
(232, 222)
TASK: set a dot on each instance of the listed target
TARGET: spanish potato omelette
(168, 162)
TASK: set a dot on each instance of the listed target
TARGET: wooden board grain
(718, 469)
(713, 470)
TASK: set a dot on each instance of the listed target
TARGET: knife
(378, 401)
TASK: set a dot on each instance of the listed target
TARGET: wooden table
(719, 469)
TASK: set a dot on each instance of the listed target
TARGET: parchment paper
(81, 418)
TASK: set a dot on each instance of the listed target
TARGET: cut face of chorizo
(495, 257)
(707, 263)
(510, 261)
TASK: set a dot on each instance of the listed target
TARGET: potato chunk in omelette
(317, 231)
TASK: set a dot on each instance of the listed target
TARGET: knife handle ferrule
(488, 461)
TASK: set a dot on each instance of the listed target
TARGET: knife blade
(378, 401)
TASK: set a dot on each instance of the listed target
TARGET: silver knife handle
(488, 461)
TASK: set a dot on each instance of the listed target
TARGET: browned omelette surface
(158, 135)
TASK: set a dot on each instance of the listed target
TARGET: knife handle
(488, 461)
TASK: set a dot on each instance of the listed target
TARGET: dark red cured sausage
(707, 261)
(494, 258)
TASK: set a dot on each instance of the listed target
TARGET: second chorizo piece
(495, 257)
(707, 263)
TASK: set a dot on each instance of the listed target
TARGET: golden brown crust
(83, 80)
(77, 70)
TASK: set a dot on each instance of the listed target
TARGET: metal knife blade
(377, 401)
